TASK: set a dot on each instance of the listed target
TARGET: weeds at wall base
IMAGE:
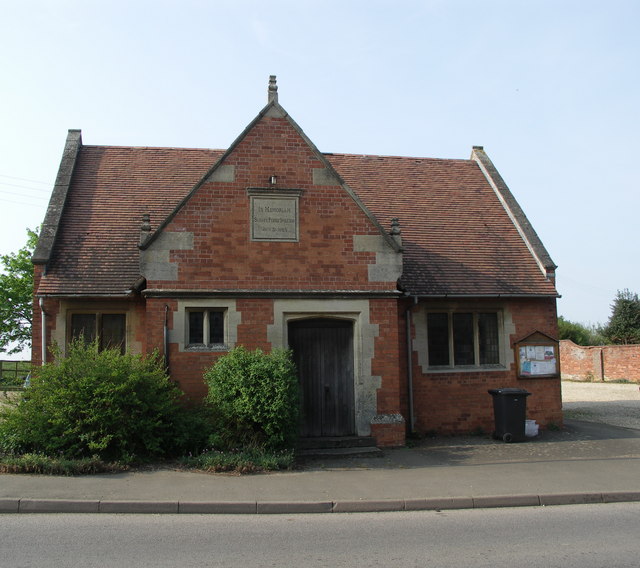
(45, 465)
(240, 462)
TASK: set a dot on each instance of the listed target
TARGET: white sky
(550, 88)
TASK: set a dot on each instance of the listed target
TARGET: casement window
(463, 339)
(205, 327)
(109, 329)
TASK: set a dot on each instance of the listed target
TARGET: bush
(578, 333)
(254, 398)
(97, 403)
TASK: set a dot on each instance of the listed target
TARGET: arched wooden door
(323, 353)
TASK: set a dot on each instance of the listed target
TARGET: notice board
(537, 356)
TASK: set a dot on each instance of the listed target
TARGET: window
(108, 329)
(205, 328)
(463, 339)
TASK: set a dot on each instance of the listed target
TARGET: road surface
(580, 536)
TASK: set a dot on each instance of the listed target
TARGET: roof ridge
(387, 156)
(123, 147)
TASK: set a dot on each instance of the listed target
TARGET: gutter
(123, 295)
(440, 296)
(243, 293)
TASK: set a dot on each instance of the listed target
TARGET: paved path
(587, 462)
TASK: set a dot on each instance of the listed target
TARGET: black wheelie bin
(510, 412)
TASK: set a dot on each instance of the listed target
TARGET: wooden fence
(13, 374)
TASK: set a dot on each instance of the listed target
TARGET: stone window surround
(179, 333)
(60, 333)
(506, 328)
(205, 328)
(98, 323)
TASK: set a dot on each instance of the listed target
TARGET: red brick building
(400, 283)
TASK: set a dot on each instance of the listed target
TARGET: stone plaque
(274, 218)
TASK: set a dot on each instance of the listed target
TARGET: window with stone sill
(205, 329)
(463, 339)
(108, 329)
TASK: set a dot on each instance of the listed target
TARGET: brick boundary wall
(600, 362)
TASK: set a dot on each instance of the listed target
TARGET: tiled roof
(457, 237)
(96, 250)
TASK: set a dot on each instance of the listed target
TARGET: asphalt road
(617, 404)
(582, 536)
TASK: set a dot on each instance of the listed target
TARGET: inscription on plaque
(274, 218)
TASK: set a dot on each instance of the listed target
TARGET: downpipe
(408, 321)
(43, 323)
(166, 337)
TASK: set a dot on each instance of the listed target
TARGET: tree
(623, 326)
(16, 297)
(578, 333)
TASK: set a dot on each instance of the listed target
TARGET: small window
(468, 339)
(107, 328)
(205, 328)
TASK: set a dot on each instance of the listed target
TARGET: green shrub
(579, 333)
(192, 429)
(97, 403)
(254, 398)
(248, 460)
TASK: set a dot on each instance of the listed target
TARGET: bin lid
(508, 392)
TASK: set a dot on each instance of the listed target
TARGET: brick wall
(51, 309)
(386, 363)
(224, 257)
(454, 402)
(327, 256)
(601, 363)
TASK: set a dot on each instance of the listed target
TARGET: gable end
(321, 176)
(49, 229)
(515, 212)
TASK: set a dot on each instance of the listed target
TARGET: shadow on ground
(578, 440)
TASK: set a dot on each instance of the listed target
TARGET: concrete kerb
(9, 505)
(297, 507)
(58, 506)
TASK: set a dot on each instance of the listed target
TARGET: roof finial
(273, 89)
(145, 228)
(395, 232)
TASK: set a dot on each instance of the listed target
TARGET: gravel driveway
(609, 403)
